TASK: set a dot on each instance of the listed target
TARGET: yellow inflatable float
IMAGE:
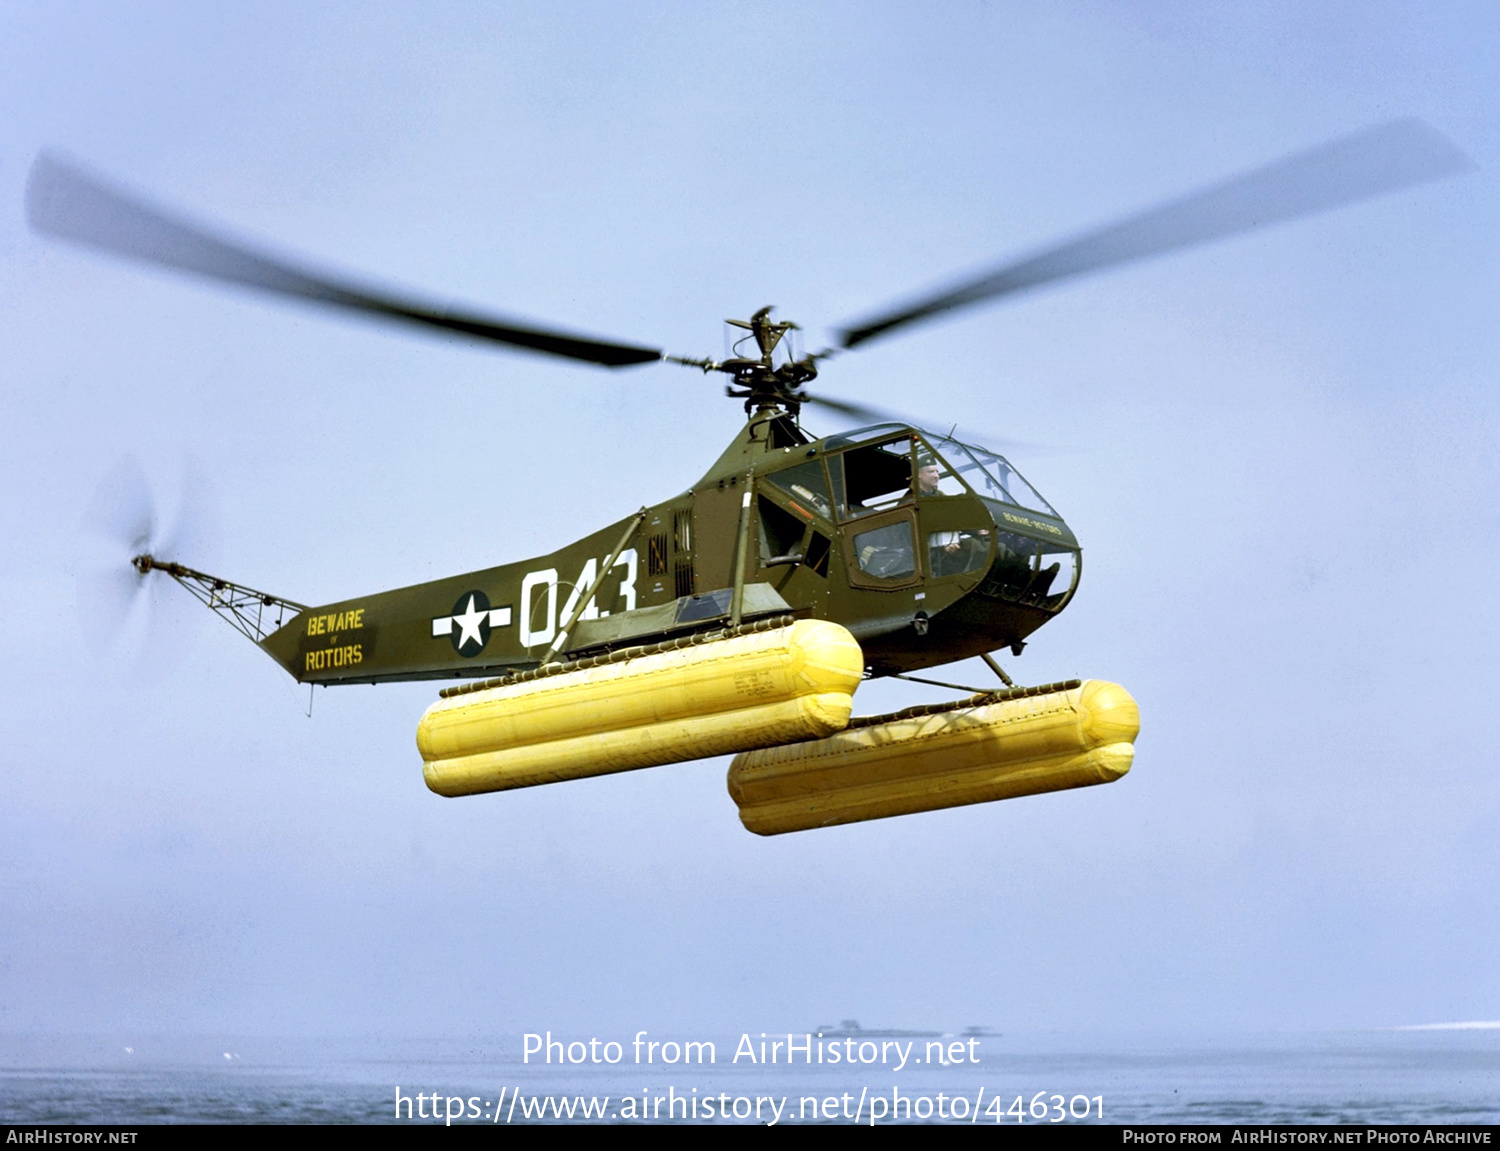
(1019, 742)
(773, 685)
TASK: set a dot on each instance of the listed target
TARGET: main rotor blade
(855, 410)
(65, 202)
(871, 414)
(1378, 160)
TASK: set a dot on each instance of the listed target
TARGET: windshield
(989, 474)
(944, 466)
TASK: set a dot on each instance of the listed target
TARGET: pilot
(928, 475)
(943, 547)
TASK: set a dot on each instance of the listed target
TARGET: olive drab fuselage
(689, 628)
(925, 549)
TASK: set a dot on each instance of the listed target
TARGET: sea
(1440, 1076)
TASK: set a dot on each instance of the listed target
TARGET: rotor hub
(760, 381)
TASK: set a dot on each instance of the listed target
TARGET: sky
(1277, 452)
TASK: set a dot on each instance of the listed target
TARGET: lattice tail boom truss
(254, 614)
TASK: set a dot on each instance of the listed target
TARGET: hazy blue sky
(1278, 452)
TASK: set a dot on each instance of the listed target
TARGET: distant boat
(850, 1029)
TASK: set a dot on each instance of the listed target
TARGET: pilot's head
(928, 474)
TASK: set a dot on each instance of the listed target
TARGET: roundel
(471, 623)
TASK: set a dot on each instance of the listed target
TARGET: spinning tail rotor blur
(126, 531)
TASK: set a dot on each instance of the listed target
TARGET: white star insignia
(468, 624)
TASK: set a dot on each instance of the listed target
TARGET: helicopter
(920, 549)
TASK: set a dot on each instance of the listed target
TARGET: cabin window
(958, 552)
(780, 531)
(886, 552)
(807, 486)
(818, 548)
(871, 479)
(1032, 572)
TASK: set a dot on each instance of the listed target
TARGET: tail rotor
(126, 535)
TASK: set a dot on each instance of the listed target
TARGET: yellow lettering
(336, 621)
(344, 656)
(333, 656)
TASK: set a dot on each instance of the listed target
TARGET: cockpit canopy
(879, 474)
(1010, 535)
